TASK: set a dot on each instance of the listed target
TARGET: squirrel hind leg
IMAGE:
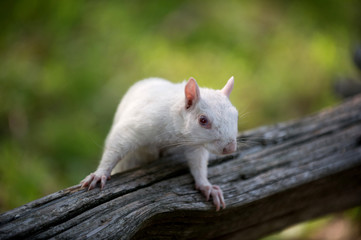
(136, 159)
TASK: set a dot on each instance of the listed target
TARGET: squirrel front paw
(92, 179)
(216, 193)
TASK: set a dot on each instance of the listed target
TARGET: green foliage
(64, 65)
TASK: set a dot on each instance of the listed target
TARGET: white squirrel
(154, 114)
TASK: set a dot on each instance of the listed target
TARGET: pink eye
(204, 122)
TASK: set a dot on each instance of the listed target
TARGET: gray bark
(280, 175)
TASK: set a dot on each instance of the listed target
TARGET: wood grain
(280, 175)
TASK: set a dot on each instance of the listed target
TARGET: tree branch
(280, 175)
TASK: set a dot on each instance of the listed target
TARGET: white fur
(152, 116)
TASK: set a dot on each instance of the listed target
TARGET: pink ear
(227, 89)
(191, 92)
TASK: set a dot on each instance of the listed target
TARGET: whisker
(244, 112)
(241, 116)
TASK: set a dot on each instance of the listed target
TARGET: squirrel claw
(92, 179)
(216, 193)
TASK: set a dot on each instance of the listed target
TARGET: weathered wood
(281, 175)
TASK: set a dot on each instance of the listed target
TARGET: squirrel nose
(230, 147)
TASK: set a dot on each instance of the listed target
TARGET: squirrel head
(210, 118)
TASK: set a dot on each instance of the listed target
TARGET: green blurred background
(64, 65)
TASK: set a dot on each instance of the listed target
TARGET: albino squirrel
(155, 114)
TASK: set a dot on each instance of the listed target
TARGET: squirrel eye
(204, 122)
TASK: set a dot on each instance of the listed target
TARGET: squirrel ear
(191, 91)
(227, 89)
